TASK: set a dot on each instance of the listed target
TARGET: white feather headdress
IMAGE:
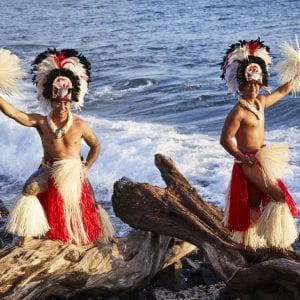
(10, 71)
(289, 68)
(238, 57)
(66, 63)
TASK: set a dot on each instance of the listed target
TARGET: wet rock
(171, 278)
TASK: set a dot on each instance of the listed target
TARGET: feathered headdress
(245, 61)
(61, 74)
(10, 71)
(289, 68)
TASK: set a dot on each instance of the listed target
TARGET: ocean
(155, 86)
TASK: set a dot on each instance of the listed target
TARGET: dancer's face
(60, 107)
(250, 89)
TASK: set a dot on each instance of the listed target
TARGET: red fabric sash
(239, 213)
(54, 207)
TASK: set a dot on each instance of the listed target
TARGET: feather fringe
(68, 176)
(27, 217)
(289, 68)
(274, 160)
(107, 228)
(227, 207)
(277, 225)
(10, 71)
(249, 238)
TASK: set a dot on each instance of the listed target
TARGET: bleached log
(49, 269)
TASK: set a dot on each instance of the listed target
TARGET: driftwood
(49, 269)
(179, 211)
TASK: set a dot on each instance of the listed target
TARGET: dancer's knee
(254, 200)
(31, 189)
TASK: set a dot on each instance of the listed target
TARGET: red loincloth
(238, 210)
(54, 208)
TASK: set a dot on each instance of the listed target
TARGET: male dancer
(253, 210)
(57, 200)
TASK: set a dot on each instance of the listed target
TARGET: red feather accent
(59, 60)
(253, 45)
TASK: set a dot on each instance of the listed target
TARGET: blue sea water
(155, 86)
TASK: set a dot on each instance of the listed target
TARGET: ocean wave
(119, 89)
(128, 149)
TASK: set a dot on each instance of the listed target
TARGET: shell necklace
(60, 132)
(259, 113)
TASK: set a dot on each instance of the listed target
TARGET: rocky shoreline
(190, 279)
(193, 279)
(201, 292)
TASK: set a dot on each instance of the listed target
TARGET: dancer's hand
(249, 160)
(85, 168)
(85, 171)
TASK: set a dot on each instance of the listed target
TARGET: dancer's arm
(279, 93)
(92, 141)
(21, 117)
(229, 130)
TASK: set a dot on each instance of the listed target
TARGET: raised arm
(25, 119)
(279, 93)
(92, 141)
